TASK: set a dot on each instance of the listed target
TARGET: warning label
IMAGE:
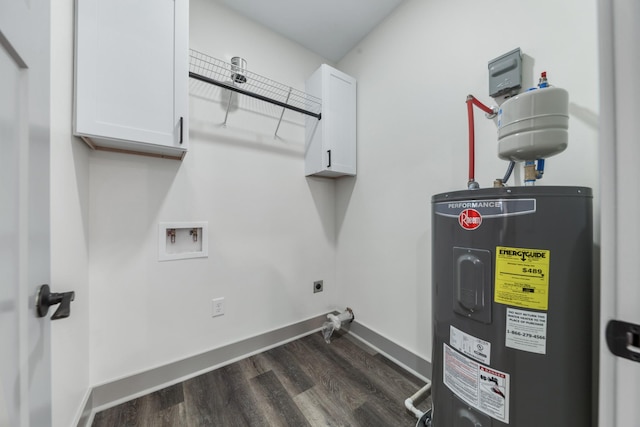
(484, 388)
(522, 277)
(473, 347)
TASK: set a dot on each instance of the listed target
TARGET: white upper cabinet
(330, 143)
(131, 75)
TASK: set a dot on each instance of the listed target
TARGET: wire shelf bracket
(222, 74)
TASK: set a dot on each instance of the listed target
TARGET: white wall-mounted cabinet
(131, 75)
(330, 143)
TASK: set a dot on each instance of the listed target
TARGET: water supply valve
(335, 323)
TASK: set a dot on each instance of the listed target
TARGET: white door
(620, 205)
(25, 372)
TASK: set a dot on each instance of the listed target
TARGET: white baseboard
(392, 351)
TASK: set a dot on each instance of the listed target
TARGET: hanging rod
(253, 95)
(219, 73)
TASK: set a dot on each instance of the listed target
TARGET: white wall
(271, 230)
(69, 228)
(414, 73)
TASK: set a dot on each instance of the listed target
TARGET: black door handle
(46, 299)
(623, 339)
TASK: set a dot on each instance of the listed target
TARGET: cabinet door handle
(181, 123)
(329, 153)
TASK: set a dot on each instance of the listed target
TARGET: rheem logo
(470, 219)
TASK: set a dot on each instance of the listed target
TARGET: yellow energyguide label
(522, 277)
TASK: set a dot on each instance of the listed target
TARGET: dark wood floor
(303, 383)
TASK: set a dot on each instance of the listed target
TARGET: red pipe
(472, 148)
(471, 101)
(480, 105)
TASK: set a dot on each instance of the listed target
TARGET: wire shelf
(214, 71)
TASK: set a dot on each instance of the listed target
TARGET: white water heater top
(534, 125)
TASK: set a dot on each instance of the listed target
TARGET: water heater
(512, 307)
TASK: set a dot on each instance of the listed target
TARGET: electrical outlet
(217, 307)
(317, 286)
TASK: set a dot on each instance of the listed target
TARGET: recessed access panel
(182, 240)
(472, 283)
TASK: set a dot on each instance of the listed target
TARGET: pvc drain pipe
(417, 396)
(335, 323)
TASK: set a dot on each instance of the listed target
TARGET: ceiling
(330, 28)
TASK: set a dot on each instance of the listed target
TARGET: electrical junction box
(505, 74)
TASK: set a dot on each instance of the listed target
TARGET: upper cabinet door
(330, 144)
(131, 77)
